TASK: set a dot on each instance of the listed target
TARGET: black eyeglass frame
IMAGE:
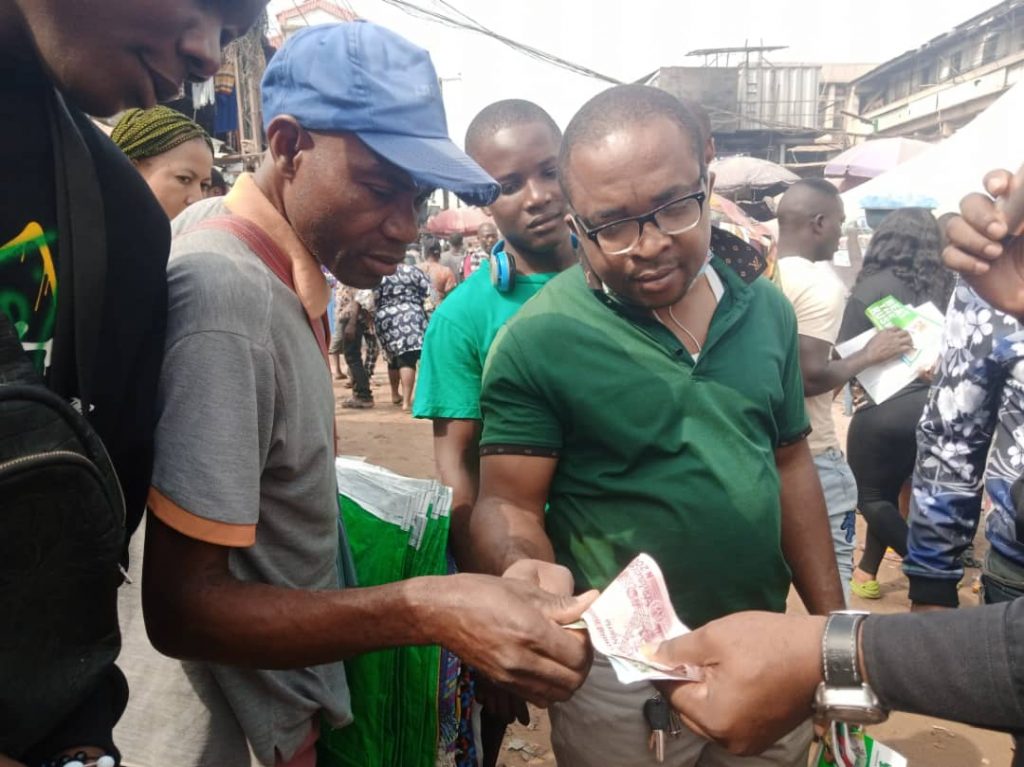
(641, 221)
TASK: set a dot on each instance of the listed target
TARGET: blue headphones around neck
(503, 266)
(503, 271)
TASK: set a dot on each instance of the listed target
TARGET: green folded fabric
(395, 528)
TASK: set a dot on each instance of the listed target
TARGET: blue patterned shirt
(970, 438)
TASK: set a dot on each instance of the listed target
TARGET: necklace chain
(681, 326)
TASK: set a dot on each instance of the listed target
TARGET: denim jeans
(1001, 579)
(840, 489)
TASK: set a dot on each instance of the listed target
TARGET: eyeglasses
(674, 217)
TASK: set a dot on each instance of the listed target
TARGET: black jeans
(354, 359)
(881, 447)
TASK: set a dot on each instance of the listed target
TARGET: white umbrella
(734, 173)
(949, 170)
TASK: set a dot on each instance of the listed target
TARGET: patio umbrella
(737, 173)
(461, 220)
(873, 158)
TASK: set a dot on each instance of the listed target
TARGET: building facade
(760, 108)
(930, 92)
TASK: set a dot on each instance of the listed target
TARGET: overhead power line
(470, 24)
(295, 5)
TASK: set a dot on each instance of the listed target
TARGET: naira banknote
(632, 616)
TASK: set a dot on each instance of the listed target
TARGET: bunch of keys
(661, 719)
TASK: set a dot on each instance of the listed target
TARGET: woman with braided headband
(173, 154)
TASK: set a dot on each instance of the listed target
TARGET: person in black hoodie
(84, 245)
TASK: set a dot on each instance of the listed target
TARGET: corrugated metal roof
(973, 23)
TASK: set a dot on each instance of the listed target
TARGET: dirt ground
(388, 437)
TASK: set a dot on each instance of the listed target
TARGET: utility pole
(440, 85)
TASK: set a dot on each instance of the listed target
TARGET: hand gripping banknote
(632, 615)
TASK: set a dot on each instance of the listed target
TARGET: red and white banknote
(632, 615)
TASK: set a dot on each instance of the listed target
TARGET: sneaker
(866, 589)
(356, 403)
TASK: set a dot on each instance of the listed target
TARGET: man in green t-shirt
(517, 143)
(654, 401)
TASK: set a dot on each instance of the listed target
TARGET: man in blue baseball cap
(242, 539)
(363, 79)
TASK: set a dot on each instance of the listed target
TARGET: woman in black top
(902, 261)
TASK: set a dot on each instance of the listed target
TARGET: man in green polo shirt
(654, 400)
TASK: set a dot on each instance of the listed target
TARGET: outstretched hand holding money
(630, 619)
(760, 673)
(501, 703)
(510, 631)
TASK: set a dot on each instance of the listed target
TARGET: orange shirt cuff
(200, 528)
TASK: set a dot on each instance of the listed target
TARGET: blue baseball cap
(358, 77)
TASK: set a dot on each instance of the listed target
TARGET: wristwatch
(844, 696)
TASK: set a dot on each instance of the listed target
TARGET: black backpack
(62, 532)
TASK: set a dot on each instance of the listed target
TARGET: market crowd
(607, 367)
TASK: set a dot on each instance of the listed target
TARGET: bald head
(806, 199)
(810, 217)
(624, 106)
(488, 236)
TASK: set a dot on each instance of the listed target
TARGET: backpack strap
(260, 243)
(81, 221)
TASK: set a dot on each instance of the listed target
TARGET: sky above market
(628, 39)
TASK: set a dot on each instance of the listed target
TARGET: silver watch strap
(839, 649)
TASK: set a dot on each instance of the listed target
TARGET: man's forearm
(502, 534)
(273, 627)
(937, 536)
(836, 373)
(195, 608)
(464, 484)
(508, 520)
(948, 486)
(456, 455)
(806, 536)
(966, 665)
